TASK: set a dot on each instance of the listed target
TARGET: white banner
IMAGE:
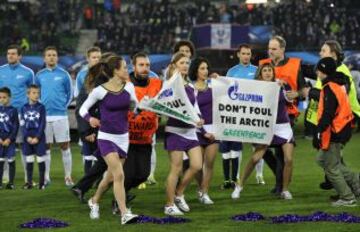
(172, 101)
(244, 110)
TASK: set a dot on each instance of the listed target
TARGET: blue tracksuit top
(9, 122)
(80, 79)
(17, 78)
(33, 120)
(242, 71)
(56, 90)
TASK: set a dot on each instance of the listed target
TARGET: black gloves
(317, 141)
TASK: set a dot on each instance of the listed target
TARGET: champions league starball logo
(32, 115)
(4, 117)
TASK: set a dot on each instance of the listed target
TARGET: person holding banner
(283, 138)
(115, 98)
(198, 73)
(288, 72)
(232, 151)
(142, 126)
(181, 137)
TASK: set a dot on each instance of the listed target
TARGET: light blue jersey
(242, 71)
(80, 79)
(56, 90)
(17, 78)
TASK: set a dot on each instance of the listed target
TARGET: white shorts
(59, 129)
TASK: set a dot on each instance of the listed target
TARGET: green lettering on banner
(162, 108)
(243, 134)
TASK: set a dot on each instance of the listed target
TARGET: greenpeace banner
(244, 110)
(172, 101)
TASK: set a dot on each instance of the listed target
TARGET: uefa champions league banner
(172, 101)
(244, 110)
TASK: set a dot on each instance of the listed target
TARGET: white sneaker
(172, 211)
(94, 209)
(128, 217)
(260, 180)
(181, 203)
(205, 199)
(69, 182)
(236, 193)
(341, 202)
(286, 195)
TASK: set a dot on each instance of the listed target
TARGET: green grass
(20, 206)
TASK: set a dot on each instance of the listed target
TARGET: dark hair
(261, 67)
(280, 39)
(17, 47)
(49, 48)
(187, 43)
(102, 71)
(336, 47)
(243, 46)
(194, 67)
(91, 50)
(5, 90)
(33, 86)
(171, 68)
(138, 54)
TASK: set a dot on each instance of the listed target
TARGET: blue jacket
(56, 90)
(242, 71)
(17, 78)
(80, 79)
(9, 122)
(33, 120)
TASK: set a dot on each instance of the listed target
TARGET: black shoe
(10, 186)
(129, 198)
(334, 197)
(326, 185)
(276, 191)
(115, 207)
(42, 186)
(226, 185)
(27, 186)
(78, 193)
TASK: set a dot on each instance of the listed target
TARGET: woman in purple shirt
(181, 137)
(198, 73)
(115, 98)
(283, 137)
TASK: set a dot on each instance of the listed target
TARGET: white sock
(67, 161)
(23, 161)
(233, 155)
(259, 168)
(47, 165)
(6, 171)
(153, 160)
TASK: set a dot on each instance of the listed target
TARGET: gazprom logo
(235, 94)
(233, 91)
(166, 93)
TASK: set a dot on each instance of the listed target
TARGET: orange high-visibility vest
(343, 114)
(289, 74)
(143, 126)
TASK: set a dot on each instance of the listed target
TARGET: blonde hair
(172, 66)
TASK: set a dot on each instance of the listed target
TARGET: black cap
(326, 65)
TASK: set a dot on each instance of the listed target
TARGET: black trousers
(95, 173)
(137, 165)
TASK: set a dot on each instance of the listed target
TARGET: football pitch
(19, 206)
